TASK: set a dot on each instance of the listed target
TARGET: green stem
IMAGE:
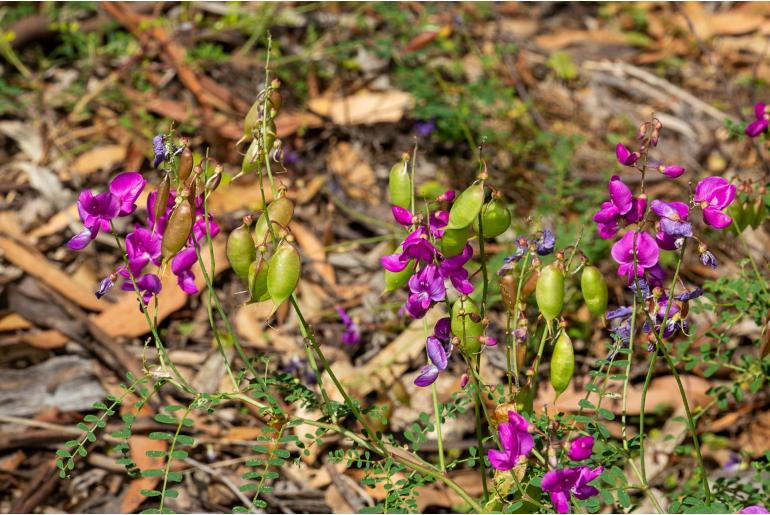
(439, 440)
(629, 356)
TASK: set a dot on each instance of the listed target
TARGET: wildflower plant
(530, 457)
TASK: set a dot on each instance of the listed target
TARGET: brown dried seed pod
(185, 164)
(177, 230)
(161, 197)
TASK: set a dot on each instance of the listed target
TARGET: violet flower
(402, 216)
(439, 359)
(625, 156)
(427, 286)
(159, 149)
(424, 128)
(142, 246)
(708, 259)
(105, 286)
(647, 254)
(351, 335)
(447, 196)
(436, 223)
(714, 194)
(623, 204)
(96, 213)
(545, 243)
(673, 218)
(182, 265)
(672, 171)
(516, 440)
(761, 121)
(127, 187)
(416, 246)
(453, 269)
(149, 285)
(581, 448)
(561, 483)
(754, 508)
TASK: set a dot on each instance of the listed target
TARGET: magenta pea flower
(761, 121)
(416, 246)
(182, 265)
(516, 440)
(447, 196)
(622, 203)
(453, 269)
(351, 335)
(149, 285)
(402, 216)
(581, 448)
(96, 213)
(754, 508)
(561, 483)
(126, 187)
(672, 171)
(427, 286)
(625, 156)
(673, 218)
(439, 359)
(142, 246)
(647, 254)
(436, 223)
(714, 194)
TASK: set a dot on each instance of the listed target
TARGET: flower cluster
(561, 483)
(144, 244)
(665, 226)
(516, 440)
(432, 267)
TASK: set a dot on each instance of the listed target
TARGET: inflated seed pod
(594, 289)
(466, 207)
(161, 197)
(549, 291)
(562, 363)
(280, 212)
(466, 325)
(251, 120)
(177, 230)
(400, 184)
(495, 219)
(251, 158)
(258, 280)
(241, 251)
(395, 280)
(454, 240)
(282, 274)
(185, 164)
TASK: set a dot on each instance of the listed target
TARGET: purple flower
(96, 212)
(656, 275)
(427, 286)
(447, 196)
(126, 187)
(149, 285)
(516, 440)
(755, 508)
(453, 269)
(668, 241)
(647, 254)
(673, 218)
(561, 483)
(142, 246)
(545, 243)
(436, 223)
(689, 295)
(625, 156)
(199, 228)
(424, 128)
(672, 171)
(622, 203)
(182, 265)
(708, 259)
(714, 194)
(416, 246)
(351, 335)
(760, 123)
(621, 312)
(402, 216)
(105, 286)
(581, 448)
(159, 148)
(439, 359)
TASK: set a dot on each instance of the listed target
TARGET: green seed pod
(258, 280)
(161, 197)
(454, 240)
(177, 230)
(251, 158)
(185, 164)
(594, 289)
(562, 363)
(251, 120)
(466, 207)
(271, 133)
(464, 326)
(549, 291)
(280, 212)
(282, 274)
(400, 184)
(395, 280)
(241, 251)
(495, 218)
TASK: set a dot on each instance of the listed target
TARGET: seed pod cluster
(259, 127)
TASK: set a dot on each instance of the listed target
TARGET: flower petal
(428, 375)
(126, 187)
(716, 218)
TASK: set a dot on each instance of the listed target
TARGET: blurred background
(543, 90)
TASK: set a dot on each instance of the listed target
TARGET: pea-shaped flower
(714, 194)
(647, 254)
(761, 121)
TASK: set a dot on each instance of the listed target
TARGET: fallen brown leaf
(364, 107)
(99, 158)
(354, 173)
